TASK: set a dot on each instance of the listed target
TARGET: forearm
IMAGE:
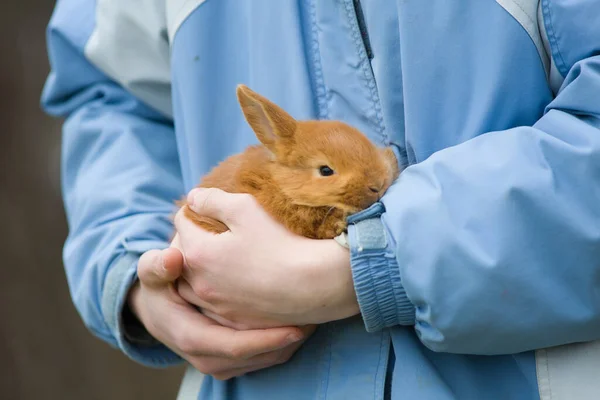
(116, 212)
(493, 244)
(120, 175)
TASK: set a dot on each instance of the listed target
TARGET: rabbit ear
(268, 121)
(392, 161)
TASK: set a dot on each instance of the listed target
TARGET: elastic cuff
(142, 349)
(381, 296)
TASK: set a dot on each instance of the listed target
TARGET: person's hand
(211, 348)
(259, 274)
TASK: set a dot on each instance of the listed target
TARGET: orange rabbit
(308, 175)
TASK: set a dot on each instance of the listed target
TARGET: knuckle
(148, 259)
(286, 354)
(149, 265)
(235, 351)
(208, 198)
(204, 292)
(203, 254)
(206, 367)
(201, 366)
(273, 358)
(236, 205)
(226, 313)
(245, 198)
(220, 376)
(240, 326)
(276, 357)
(196, 257)
(179, 216)
(282, 359)
(243, 201)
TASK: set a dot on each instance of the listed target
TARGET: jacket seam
(176, 16)
(182, 20)
(326, 361)
(320, 88)
(546, 62)
(524, 12)
(532, 21)
(543, 374)
(552, 37)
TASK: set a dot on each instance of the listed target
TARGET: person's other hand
(259, 274)
(211, 348)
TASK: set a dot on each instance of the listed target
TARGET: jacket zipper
(362, 26)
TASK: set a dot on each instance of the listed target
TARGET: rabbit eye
(324, 170)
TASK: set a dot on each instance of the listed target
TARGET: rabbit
(308, 175)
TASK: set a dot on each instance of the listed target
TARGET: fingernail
(192, 195)
(163, 261)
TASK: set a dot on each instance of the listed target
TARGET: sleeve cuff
(134, 341)
(381, 296)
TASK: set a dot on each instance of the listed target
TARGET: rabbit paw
(334, 228)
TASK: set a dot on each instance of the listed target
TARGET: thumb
(157, 268)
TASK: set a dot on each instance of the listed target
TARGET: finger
(218, 204)
(185, 291)
(157, 268)
(230, 324)
(192, 236)
(258, 363)
(237, 372)
(220, 365)
(210, 339)
(249, 323)
(308, 330)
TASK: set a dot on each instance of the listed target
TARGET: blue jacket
(486, 249)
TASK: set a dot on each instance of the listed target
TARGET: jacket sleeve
(493, 246)
(120, 175)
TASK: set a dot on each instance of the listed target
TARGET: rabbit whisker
(327, 215)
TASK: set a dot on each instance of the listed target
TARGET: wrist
(134, 329)
(333, 296)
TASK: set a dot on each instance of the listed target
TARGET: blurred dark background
(45, 350)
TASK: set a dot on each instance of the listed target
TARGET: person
(479, 262)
